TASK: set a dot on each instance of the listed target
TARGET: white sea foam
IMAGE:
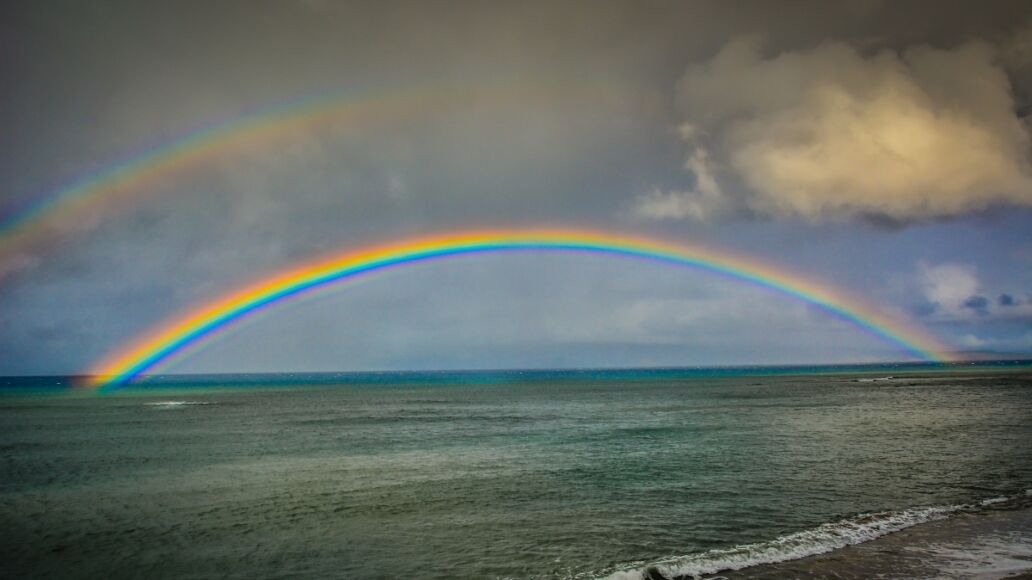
(175, 404)
(824, 538)
(994, 557)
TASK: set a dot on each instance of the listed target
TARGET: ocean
(756, 472)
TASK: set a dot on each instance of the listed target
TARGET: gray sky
(883, 147)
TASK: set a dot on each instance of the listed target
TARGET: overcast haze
(883, 147)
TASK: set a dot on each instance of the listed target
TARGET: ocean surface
(537, 474)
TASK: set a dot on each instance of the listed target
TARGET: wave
(824, 538)
(175, 404)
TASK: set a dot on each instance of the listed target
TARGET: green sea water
(479, 475)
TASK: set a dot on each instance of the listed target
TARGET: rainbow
(144, 355)
(134, 173)
(128, 178)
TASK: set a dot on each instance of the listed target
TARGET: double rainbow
(145, 355)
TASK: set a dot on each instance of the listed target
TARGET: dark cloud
(925, 309)
(1007, 300)
(979, 304)
(590, 124)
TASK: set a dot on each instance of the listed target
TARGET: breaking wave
(824, 538)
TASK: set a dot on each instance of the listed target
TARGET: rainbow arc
(126, 181)
(148, 353)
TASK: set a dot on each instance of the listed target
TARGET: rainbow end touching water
(146, 354)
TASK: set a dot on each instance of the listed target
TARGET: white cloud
(832, 132)
(948, 285)
(958, 294)
(972, 341)
(700, 203)
(1019, 343)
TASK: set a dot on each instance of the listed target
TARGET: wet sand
(983, 546)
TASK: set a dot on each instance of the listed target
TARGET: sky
(884, 148)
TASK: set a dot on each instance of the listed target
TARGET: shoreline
(989, 545)
(987, 540)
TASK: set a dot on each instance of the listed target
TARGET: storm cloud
(752, 127)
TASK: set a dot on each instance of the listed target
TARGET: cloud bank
(835, 132)
(954, 292)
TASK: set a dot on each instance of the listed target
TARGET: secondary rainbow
(146, 354)
(125, 180)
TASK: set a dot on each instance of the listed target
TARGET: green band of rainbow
(144, 355)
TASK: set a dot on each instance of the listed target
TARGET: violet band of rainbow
(146, 354)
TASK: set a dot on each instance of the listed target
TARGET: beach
(987, 545)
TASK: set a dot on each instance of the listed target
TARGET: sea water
(498, 475)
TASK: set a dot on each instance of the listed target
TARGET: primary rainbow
(147, 353)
